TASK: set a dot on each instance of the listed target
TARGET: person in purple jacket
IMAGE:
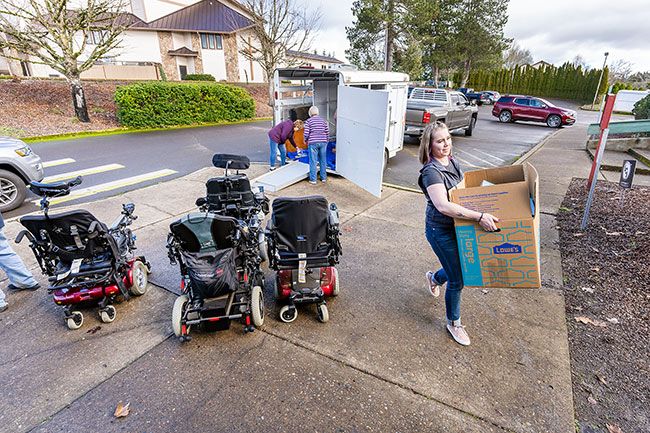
(280, 133)
(316, 136)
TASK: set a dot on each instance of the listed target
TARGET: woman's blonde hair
(298, 125)
(424, 153)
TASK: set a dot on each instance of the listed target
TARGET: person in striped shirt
(316, 136)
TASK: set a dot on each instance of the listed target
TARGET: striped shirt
(316, 130)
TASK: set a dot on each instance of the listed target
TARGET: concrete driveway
(384, 362)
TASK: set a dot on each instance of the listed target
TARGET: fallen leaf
(121, 410)
(588, 321)
(578, 234)
(592, 400)
(601, 379)
(93, 330)
(588, 289)
(613, 320)
(595, 269)
(614, 428)
(613, 233)
(347, 229)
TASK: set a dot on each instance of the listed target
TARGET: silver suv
(19, 165)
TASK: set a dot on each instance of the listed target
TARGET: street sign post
(600, 149)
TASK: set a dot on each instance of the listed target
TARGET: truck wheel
(470, 128)
(12, 191)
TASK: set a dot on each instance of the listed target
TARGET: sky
(553, 30)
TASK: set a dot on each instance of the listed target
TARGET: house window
(95, 37)
(211, 41)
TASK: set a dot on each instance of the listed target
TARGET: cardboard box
(510, 257)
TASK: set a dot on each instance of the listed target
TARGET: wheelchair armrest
(22, 234)
(95, 228)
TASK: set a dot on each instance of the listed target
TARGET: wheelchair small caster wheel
(107, 314)
(323, 313)
(288, 313)
(75, 320)
(184, 338)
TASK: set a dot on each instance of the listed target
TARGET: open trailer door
(362, 125)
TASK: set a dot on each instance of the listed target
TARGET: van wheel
(470, 128)
(385, 159)
(12, 191)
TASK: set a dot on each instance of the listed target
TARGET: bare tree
(620, 70)
(578, 60)
(68, 41)
(278, 26)
(516, 56)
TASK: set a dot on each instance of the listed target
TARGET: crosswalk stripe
(84, 172)
(56, 162)
(109, 186)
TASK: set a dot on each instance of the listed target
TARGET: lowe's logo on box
(507, 248)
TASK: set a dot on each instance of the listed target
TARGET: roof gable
(210, 16)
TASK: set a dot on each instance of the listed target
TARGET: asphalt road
(119, 163)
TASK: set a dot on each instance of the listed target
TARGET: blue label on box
(469, 258)
(507, 248)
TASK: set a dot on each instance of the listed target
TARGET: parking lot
(491, 145)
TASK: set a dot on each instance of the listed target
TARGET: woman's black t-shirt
(433, 173)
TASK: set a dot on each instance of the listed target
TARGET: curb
(120, 131)
(534, 150)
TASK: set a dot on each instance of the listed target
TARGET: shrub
(154, 104)
(199, 77)
(641, 109)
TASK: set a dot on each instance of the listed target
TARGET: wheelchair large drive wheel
(335, 276)
(288, 313)
(140, 278)
(257, 306)
(180, 304)
(261, 241)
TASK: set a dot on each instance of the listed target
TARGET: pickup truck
(479, 97)
(427, 105)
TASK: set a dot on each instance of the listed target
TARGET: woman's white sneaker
(458, 332)
(434, 287)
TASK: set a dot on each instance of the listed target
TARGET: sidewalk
(383, 363)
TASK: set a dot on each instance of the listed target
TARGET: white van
(625, 99)
(370, 108)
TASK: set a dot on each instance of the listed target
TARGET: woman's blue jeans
(443, 242)
(317, 153)
(274, 151)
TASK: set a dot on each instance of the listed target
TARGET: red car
(513, 107)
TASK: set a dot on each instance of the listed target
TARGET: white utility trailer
(368, 128)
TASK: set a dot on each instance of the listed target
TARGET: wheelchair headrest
(54, 189)
(235, 162)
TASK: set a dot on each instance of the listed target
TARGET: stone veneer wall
(196, 46)
(231, 57)
(168, 62)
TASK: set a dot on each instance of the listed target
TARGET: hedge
(199, 77)
(149, 105)
(641, 109)
(565, 82)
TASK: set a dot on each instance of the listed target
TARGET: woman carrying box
(439, 174)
